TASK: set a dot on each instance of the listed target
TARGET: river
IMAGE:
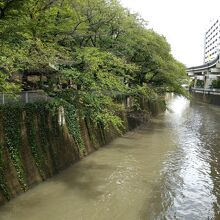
(168, 169)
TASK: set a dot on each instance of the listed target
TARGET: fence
(206, 91)
(23, 97)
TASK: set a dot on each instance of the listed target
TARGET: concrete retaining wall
(60, 150)
(207, 98)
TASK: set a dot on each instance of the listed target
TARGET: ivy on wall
(31, 111)
(55, 133)
(38, 133)
(43, 129)
(72, 121)
(12, 131)
(3, 184)
(41, 122)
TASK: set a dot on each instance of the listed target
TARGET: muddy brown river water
(169, 169)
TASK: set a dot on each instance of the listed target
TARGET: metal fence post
(26, 97)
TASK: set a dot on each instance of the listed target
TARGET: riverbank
(207, 98)
(167, 169)
(111, 183)
(36, 144)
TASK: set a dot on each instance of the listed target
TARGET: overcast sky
(182, 22)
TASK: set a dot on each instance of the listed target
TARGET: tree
(99, 77)
(88, 51)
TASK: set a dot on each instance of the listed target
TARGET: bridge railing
(23, 97)
(206, 91)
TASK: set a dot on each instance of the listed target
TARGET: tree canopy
(94, 49)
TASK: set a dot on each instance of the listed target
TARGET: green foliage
(12, 129)
(31, 110)
(91, 54)
(72, 116)
(89, 51)
(215, 84)
(38, 138)
(3, 184)
(72, 121)
(43, 116)
(55, 132)
(200, 83)
(191, 84)
(99, 77)
(5, 84)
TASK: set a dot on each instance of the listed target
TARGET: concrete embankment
(207, 98)
(36, 145)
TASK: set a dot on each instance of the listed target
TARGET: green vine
(74, 128)
(3, 184)
(44, 134)
(42, 123)
(12, 129)
(31, 110)
(55, 134)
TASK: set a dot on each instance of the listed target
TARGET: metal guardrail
(23, 97)
(206, 91)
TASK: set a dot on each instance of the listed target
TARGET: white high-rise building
(212, 40)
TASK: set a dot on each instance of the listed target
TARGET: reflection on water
(189, 189)
(169, 169)
(178, 105)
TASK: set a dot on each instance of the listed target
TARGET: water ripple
(190, 180)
